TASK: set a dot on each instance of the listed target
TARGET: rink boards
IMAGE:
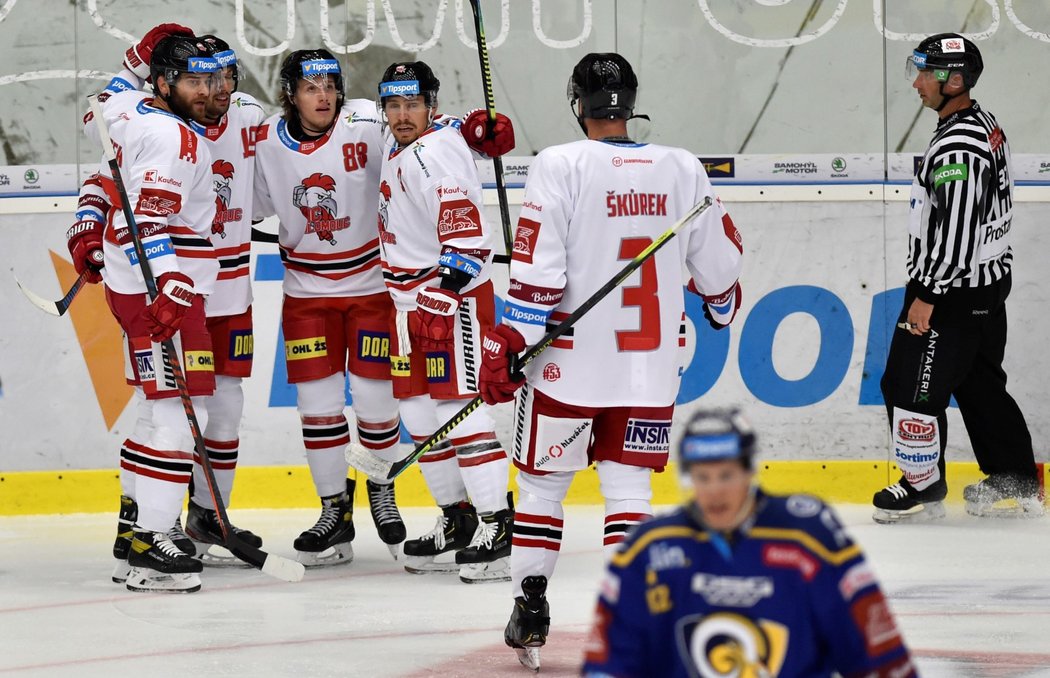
(822, 286)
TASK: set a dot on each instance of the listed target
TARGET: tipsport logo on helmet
(400, 88)
(201, 65)
(320, 67)
(226, 58)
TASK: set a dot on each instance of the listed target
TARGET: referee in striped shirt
(951, 333)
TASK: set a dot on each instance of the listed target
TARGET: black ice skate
(530, 622)
(453, 531)
(182, 541)
(388, 521)
(487, 558)
(129, 513)
(902, 503)
(1004, 495)
(328, 541)
(202, 526)
(157, 565)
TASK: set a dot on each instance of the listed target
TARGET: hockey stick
(490, 105)
(374, 466)
(273, 565)
(59, 307)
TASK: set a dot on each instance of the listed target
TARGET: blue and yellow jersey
(787, 594)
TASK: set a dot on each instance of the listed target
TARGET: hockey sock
(482, 460)
(225, 408)
(325, 438)
(133, 444)
(538, 521)
(378, 421)
(164, 465)
(628, 500)
(439, 466)
(382, 438)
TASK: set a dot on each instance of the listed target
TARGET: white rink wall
(803, 357)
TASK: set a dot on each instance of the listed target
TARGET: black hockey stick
(273, 565)
(490, 105)
(374, 466)
(59, 307)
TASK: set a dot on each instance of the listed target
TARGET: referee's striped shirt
(962, 202)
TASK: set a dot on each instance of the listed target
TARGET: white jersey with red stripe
(167, 173)
(324, 193)
(430, 215)
(589, 208)
(232, 146)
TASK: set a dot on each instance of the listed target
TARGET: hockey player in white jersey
(603, 392)
(167, 172)
(317, 169)
(229, 132)
(437, 255)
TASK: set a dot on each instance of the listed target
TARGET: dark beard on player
(179, 106)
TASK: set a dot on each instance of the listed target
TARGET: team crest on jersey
(315, 198)
(459, 219)
(222, 178)
(385, 236)
(718, 642)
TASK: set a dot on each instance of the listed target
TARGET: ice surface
(973, 598)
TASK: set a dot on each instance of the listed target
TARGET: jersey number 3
(644, 296)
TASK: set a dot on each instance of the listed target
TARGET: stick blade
(282, 568)
(367, 462)
(43, 304)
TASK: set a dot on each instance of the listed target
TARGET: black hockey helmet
(178, 54)
(716, 435)
(409, 78)
(311, 63)
(222, 53)
(606, 86)
(948, 53)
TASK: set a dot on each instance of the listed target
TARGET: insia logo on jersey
(645, 435)
(633, 204)
(385, 194)
(525, 240)
(459, 219)
(315, 199)
(222, 177)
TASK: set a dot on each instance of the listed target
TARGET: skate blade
(922, 513)
(1007, 509)
(366, 461)
(428, 565)
(529, 657)
(395, 550)
(145, 580)
(483, 573)
(120, 572)
(340, 554)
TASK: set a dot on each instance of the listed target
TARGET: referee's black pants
(962, 356)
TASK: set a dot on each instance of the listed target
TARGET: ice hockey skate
(901, 503)
(202, 526)
(129, 513)
(530, 622)
(1004, 495)
(387, 518)
(328, 541)
(434, 552)
(487, 557)
(158, 565)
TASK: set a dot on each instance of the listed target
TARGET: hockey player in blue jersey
(741, 583)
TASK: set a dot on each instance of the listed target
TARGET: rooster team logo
(384, 206)
(315, 198)
(222, 178)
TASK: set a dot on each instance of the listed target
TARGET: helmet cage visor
(196, 65)
(918, 62)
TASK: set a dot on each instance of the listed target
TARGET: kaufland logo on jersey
(646, 435)
(320, 67)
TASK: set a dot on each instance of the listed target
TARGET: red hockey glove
(84, 240)
(164, 316)
(497, 383)
(136, 59)
(435, 317)
(475, 130)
